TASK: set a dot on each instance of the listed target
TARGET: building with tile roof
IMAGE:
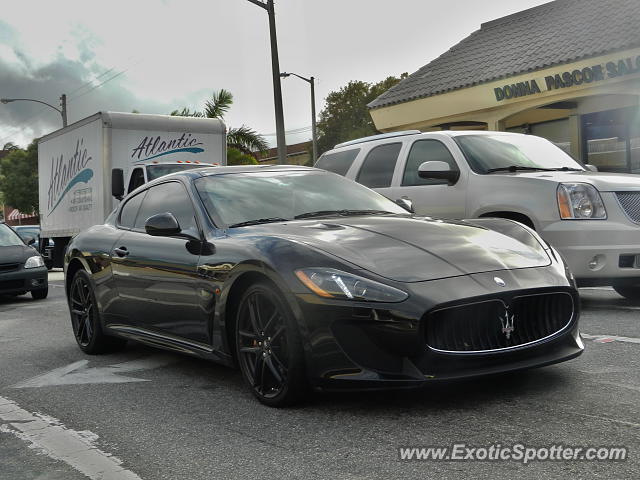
(568, 70)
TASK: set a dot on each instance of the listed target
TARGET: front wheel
(630, 292)
(39, 294)
(269, 348)
(85, 317)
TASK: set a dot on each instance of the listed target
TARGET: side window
(426, 151)
(168, 197)
(130, 211)
(377, 168)
(338, 162)
(137, 179)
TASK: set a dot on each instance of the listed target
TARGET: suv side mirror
(591, 168)
(162, 225)
(29, 240)
(117, 183)
(438, 170)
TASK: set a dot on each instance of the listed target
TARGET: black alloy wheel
(85, 317)
(268, 347)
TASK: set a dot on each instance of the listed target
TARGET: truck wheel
(39, 294)
(85, 318)
(629, 292)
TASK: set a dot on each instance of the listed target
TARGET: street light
(275, 71)
(311, 82)
(63, 104)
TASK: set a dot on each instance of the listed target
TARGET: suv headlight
(330, 283)
(580, 201)
(33, 262)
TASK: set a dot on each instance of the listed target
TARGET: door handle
(121, 251)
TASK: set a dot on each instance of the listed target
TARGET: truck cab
(143, 173)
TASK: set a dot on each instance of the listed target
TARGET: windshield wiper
(344, 213)
(566, 169)
(515, 168)
(258, 221)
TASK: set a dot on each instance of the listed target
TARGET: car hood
(15, 253)
(603, 181)
(414, 249)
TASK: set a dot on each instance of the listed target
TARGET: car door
(376, 170)
(431, 196)
(156, 277)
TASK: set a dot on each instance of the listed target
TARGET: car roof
(205, 172)
(411, 134)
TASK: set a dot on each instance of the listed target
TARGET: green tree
(244, 139)
(19, 178)
(346, 116)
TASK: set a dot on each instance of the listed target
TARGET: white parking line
(609, 338)
(52, 438)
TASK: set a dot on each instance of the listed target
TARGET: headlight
(33, 262)
(330, 283)
(580, 201)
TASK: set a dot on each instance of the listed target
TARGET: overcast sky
(156, 56)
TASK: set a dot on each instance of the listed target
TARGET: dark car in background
(303, 278)
(22, 268)
(28, 232)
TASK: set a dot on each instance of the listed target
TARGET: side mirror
(117, 183)
(406, 203)
(438, 170)
(591, 168)
(29, 240)
(162, 225)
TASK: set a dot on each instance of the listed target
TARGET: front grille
(483, 326)
(9, 267)
(630, 202)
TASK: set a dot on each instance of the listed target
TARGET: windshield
(33, 232)
(160, 170)
(245, 197)
(8, 237)
(500, 152)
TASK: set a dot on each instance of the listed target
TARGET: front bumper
(359, 347)
(597, 250)
(24, 280)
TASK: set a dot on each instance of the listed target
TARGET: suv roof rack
(378, 137)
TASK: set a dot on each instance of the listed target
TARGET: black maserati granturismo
(304, 279)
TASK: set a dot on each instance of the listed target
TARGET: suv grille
(482, 326)
(630, 202)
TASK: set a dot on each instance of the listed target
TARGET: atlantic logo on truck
(66, 173)
(156, 146)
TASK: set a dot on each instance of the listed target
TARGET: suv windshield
(491, 153)
(160, 170)
(262, 197)
(8, 237)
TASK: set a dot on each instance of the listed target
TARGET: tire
(39, 294)
(268, 347)
(85, 318)
(630, 292)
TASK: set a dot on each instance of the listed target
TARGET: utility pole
(275, 71)
(63, 112)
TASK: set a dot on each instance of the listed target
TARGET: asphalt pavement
(147, 414)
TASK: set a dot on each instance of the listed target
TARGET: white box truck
(77, 165)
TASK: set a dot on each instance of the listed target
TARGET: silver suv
(593, 218)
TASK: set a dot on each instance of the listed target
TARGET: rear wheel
(85, 317)
(269, 348)
(631, 292)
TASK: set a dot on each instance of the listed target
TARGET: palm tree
(243, 138)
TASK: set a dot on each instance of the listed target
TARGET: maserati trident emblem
(500, 282)
(507, 323)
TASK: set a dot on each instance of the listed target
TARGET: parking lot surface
(148, 414)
